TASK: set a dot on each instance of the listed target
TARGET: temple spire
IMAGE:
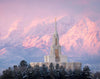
(55, 26)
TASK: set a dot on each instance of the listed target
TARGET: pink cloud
(2, 51)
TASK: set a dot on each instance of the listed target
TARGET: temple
(56, 56)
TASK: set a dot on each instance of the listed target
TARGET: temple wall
(69, 66)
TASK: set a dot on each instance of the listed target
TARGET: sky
(27, 27)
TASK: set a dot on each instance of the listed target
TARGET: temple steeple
(55, 50)
(55, 26)
(55, 36)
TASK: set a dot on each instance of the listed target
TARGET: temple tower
(55, 50)
(55, 47)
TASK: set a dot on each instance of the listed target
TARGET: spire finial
(55, 25)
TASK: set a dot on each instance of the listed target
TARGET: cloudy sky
(27, 26)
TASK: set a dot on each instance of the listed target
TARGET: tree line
(25, 71)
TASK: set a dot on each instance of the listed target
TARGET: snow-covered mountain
(79, 38)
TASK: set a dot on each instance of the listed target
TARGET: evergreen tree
(86, 73)
(23, 63)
